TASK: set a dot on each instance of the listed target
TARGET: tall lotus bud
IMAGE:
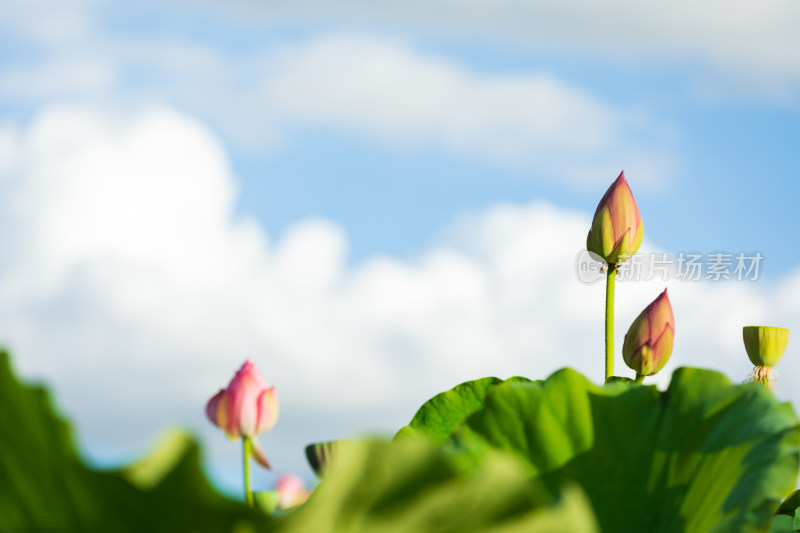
(765, 346)
(648, 343)
(617, 229)
(247, 407)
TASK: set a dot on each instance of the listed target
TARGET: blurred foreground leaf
(782, 524)
(320, 454)
(411, 486)
(790, 504)
(372, 487)
(45, 487)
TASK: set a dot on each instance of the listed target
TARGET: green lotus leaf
(782, 524)
(704, 456)
(266, 500)
(439, 416)
(411, 486)
(45, 487)
(790, 504)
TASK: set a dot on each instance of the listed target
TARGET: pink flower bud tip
(648, 343)
(291, 490)
(617, 230)
(247, 407)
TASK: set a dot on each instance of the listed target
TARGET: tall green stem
(639, 378)
(246, 445)
(610, 278)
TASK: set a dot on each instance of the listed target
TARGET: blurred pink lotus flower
(291, 490)
(248, 406)
(617, 230)
(648, 343)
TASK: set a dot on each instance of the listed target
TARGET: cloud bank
(754, 45)
(380, 89)
(386, 90)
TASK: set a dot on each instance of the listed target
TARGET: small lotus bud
(291, 491)
(648, 343)
(617, 229)
(765, 344)
(248, 406)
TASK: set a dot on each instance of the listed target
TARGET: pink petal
(224, 419)
(640, 330)
(243, 411)
(258, 453)
(249, 368)
(610, 191)
(662, 347)
(212, 407)
(267, 410)
(661, 313)
(624, 211)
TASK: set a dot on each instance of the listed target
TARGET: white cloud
(757, 43)
(373, 87)
(128, 283)
(387, 89)
(63, 77)
(48, 22)
(384, 89)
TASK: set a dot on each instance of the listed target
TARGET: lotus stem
(639, 378)
(610, 278)
(246, 450)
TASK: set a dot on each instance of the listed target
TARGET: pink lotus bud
(291, 491)
(617, 229)
(248, 406)
(648, 343)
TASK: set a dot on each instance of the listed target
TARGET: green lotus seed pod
(765, 344)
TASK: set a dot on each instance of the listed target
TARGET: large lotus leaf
(705, 455)
(782, 524)
(790, 504)
(45, 487)
(439, 416)
(411, 486)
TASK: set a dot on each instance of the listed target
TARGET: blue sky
(725, 140)
(354, 167)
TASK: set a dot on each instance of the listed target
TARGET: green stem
(610, 278)
(639, 378)
(246, 445)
